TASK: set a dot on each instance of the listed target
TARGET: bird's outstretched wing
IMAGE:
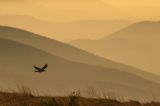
(45, 67)
(37, 68)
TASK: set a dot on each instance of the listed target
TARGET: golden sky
(68, 10)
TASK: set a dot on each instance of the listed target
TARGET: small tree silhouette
(73, 98)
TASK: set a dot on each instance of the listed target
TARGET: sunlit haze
(69, 10)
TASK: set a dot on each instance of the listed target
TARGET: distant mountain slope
(136, 45)
(62, 75)
(66, 51)
(65, 31)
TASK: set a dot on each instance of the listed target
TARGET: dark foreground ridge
(26, 99)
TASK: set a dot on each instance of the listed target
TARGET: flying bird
(41, 69)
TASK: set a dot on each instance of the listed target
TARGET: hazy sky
(68, 10)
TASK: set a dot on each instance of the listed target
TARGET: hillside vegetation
(27, 99)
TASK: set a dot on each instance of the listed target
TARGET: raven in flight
(41, 69)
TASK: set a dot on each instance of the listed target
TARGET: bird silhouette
(41, 69)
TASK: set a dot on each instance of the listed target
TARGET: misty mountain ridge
(65, 31)
(135, 45)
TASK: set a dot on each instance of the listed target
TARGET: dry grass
(26, 98)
